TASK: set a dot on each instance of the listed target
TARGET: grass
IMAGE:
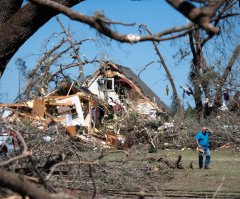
(126, 180)
(197, 183)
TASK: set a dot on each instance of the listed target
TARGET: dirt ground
(223, 179)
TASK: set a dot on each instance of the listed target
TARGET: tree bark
(20, 185)
(21, 25)
(234, 103)
(200, 16)
(218, 95)
(8, 8)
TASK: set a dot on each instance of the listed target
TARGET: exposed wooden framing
(90, 113)
(59, 104)
(105, 108)
(138, 89)
(71, 130)
(88, 98)
(92, 76)
(38, 107)
(14, 105)
(28, 116)
(113, 74)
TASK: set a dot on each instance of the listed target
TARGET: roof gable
(128, 73)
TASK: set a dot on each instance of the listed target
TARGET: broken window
(107, 83)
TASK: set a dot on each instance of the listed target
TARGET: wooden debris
(71, 130)
(225, 146)
(172, 164)
(38, 107)
(14, 105)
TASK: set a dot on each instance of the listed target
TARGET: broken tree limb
(67, 163)
(171, 164)
(201, 16)
(22, 156)
(198, 16)
(20, 185)
(23, 187)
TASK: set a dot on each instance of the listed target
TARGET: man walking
(203, 143)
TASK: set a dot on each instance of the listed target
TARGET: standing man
(203, 143)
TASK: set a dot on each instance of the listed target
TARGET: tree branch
(167, 71)
(216, 20)
(145, 67)
(67, 163)
(75, 51)
(23, 187)
(200, 16)
(8, 8)
(23, 24)
(230, 64)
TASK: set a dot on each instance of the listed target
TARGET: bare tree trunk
(234, 104)
(169, 75)
(198, 63)
(218, 95)
(8, 8)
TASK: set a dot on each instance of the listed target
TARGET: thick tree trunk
(8, 8)
(22, 25)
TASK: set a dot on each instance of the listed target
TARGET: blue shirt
(203, 139)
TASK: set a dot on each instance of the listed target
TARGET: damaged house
(87, 111)
(76, 104)
(121, 88)
(76, 108)
(73, 105)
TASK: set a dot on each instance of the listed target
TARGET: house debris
(92, 113)
(75, 108)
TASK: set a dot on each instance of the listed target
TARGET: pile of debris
(92, 113)
(73, 107)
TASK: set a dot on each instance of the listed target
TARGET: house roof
(83, 90)
(64, 88)
(128, 73)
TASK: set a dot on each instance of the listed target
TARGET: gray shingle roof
(83, 90)
(128, 73)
